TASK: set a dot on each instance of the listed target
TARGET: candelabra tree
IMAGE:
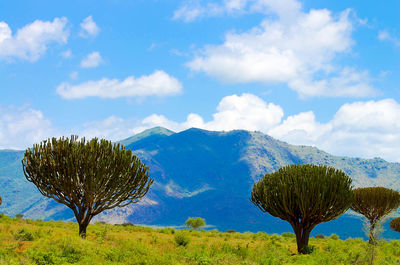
(89, 177)
(304, 196)
(375, 203)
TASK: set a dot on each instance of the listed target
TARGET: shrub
(195, 223)
(320, 236)
(288, 235)
(181, 238)
(127, 224)
(230, 231)
(23, 235)
(334, 237)
(19, 216)
(308, 249)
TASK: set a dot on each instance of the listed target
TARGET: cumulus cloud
(296, 48)
(360, 129)
(158, 83)
(31, 41)
(363, 129)
(92, 60)
(22, 127)
(89, 28)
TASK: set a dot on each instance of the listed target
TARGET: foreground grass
(38, 242)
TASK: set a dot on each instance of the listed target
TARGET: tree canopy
(375, 203)
(304, 196)
(195, 223)
(87, 176)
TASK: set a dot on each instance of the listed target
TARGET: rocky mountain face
(207, 174)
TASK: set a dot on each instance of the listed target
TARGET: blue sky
(321, 73)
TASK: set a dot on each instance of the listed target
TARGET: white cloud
(92, 60)
(89, 28)
(361, 129)
(112, 128)
(195, 9)
(366, 129)
(22, 127)
(67, 54)
(32, 41)
(295, 48)
(384, 35)
(158, 83)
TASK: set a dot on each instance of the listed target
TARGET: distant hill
(207, 174)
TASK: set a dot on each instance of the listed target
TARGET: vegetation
(88, 177)
(304, 196)
(195, 223)
(375, 203)
(45, 243)
(395, 224)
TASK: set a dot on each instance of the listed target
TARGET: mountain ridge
(203, 173)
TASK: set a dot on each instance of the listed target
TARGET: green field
(56, 242)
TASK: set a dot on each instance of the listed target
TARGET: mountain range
(207, 174)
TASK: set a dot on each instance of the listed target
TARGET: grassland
(57, 242)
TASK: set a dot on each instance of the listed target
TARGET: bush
(334, 237)
(288, 235)
(181, 238)
(127, 224)
(308, 249)
(230, 231)
(195, 223)
(320, 236)
(23, 235)
(19, 216)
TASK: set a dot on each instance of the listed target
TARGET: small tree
(304, 196)
(88, 177)
(195, 223)
(395, 224)
(375, 203)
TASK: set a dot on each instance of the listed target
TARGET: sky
(320, 73)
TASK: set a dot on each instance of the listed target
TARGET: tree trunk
(372, 239)
(82, 229)
(302, 237)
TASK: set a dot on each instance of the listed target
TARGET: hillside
(204, 173)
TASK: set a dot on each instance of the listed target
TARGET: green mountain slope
(203, 173)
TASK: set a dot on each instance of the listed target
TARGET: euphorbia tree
(87, 176)
(395, 224)
(304, 196)
(375, 203)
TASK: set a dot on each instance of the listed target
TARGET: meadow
(57, 242)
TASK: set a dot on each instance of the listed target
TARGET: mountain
(207, 174)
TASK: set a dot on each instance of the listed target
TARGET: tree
(195, 223)
(304, 196)
(395, 224)
(87, 176)
(375, 203)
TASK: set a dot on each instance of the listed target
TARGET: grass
(57, 242)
